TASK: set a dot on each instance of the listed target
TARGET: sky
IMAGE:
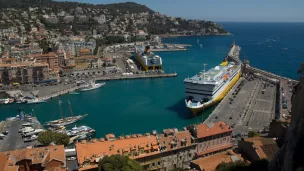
(224, 10)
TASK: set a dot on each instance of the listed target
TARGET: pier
(135, 76)
(13, 140)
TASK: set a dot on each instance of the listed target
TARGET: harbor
(157, 104)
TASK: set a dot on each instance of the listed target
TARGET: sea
(125, 107)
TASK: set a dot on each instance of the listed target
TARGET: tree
(114, 61)
(253, 134)
(47, 137)
(118, 163)
(259, 165)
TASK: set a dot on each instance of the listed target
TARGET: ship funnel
(147, 50)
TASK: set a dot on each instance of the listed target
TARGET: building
(24, 73)
(210, 163)
(49, 58)
(86, 62)
(85, 52)
(61, 57)
(101, 19)
(258, 148)
(137, 147)
(177, 150)
(51, 158)
(211, 138)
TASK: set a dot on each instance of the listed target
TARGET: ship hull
(198, 109)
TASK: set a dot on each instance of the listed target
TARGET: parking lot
(249, 105)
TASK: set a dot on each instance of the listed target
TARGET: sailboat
(65, 120)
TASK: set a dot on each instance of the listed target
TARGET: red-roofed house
(211, 138)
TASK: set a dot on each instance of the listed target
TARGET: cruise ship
(147, 59)
(209, 87)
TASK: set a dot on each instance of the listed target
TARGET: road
(245, 107)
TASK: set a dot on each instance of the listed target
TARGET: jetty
(135, 76)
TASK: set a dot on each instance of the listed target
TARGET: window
(190, 155)
(201, 145)
(158, 163)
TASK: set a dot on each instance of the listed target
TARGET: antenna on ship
(70, 108)
(59, 103)
(204, 70)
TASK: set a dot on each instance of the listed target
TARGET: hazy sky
(224, 10)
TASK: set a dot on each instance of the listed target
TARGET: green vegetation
(253, 134)
(48, 137)
(119, 163)
(259, 165)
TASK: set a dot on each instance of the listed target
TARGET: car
(71, 158)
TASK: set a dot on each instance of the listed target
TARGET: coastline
(183, 35)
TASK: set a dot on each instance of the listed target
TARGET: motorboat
(91, 86)
(26, 130)
(30, 139)
(37, 131)
(35, 101)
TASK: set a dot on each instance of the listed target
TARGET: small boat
(11, 100)
(30, 139)
(36, 101)
(81, 130)
(65, 120)
(37, 131)
(73, 92)
(27, 124)
(6, 101)
(81, 137)
(91, 86)
(26, 130)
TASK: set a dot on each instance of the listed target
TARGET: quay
(163, 50)
(13, 140)
(254, 101)
(137, 76)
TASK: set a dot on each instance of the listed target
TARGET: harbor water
(137, 106)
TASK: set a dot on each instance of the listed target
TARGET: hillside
(117, 18)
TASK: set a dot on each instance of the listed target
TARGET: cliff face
(290, 157)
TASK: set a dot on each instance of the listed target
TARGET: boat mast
(70, 108)
(60, 109)
(204, 70)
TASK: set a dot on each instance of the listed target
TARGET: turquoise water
(139, 106)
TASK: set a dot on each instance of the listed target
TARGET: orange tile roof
(41, 155)
(210, 163)
(204, 130)
(89, 150)
(85, 51)
(45, 55)
(177, 139)
(264, 147)
(222, 147)
(24, 64)
(86, 57)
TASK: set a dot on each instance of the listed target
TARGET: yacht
(30, 139)
(91, 86)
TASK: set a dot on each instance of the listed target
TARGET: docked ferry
(209, 87)
(147, 59)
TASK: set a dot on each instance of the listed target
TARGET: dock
(135, 76)
(13, 140)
